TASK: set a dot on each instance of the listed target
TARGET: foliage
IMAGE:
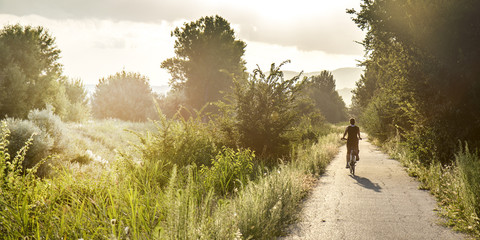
(178, 143)
(422, 55)
(94, 201)
(50, 124)
(125, 96)
(265, 110)
(31, 77)
(321, 89)
(265, 208)
(46, 133)
(468, 163)
(77, 109)
(229, 170)
(11, 165)
(456, 187)
(29, 70)
(171, 103)
(208, 58)
(20, 132)
(17, 187)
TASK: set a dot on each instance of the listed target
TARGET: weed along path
(380, 202)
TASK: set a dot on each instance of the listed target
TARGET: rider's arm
(345, 133)
(359, 134)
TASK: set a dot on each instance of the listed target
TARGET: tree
(125, 96)
(29, 71)
(208, 58)
(421, 79)
(321, 89)
(78, 109)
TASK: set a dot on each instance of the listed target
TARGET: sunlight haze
(100, 38)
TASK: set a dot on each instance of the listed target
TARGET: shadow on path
(366, 183)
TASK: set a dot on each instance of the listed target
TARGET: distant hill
(346, 94)
(345, 79)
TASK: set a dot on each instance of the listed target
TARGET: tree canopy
(321, 89)
(29, 70)
(125, 96)
(31, 76)
(208, 59)
(421, 80)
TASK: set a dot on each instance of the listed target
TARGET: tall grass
(456, 187)
(230, 198)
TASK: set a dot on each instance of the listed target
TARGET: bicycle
(352, 160)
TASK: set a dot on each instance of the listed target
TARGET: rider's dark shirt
(352, 136)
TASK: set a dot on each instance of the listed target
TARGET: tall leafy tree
(29, 70)
(321, 89)
(421, 79)
(126, 96)
(208, 59)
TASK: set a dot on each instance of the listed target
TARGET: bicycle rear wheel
(352, 163)
(352, 169)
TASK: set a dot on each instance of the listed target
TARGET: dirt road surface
(380, 202)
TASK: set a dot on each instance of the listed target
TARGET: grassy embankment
(109, 184)
(456, 187)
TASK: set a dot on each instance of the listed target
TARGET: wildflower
(113, 221)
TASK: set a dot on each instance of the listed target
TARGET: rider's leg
(348, 156)
(357, 150)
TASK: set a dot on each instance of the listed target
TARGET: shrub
(78, 112)
(265, 110)
(20, 132)
(50, 124)
(230, 169)
(17, 187)
(125, 96)
(171, 102)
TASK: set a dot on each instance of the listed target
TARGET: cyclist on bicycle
(352, 139)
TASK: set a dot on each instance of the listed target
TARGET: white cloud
(92, 49)
(319, 25)
(100, 38)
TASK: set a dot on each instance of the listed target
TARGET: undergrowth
(456, 186)
(136, 197)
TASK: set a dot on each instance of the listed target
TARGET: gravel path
(380, 202)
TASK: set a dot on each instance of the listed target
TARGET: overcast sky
(101, 37)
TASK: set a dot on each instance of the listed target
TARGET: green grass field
(105, 185)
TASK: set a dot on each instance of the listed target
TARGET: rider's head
(352, 121)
